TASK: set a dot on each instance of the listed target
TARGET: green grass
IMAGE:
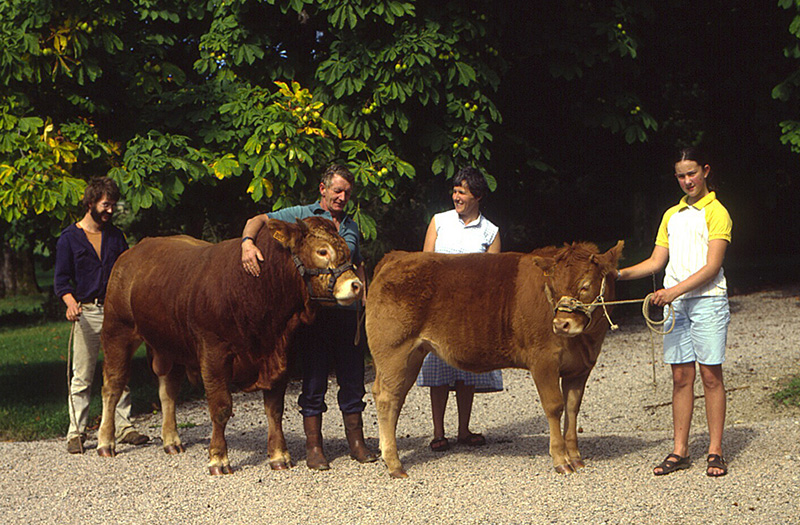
(790, 395)
(33, 376)
(22, 303)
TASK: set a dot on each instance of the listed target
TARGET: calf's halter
(334, 273)
(571, 304)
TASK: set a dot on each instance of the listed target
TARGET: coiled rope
(651, 323)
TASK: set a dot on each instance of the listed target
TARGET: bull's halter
(571, 304)
(334, 273)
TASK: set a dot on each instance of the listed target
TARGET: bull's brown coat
(481, 312)
(198, 311)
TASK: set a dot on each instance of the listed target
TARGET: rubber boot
(354, 430)
(315, 456)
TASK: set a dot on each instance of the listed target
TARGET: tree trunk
(17, 273)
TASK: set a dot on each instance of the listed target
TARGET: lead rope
(72, 417)
(651, 324)
(361, 313)
(646, 315)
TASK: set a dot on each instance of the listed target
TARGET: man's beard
(98, 216)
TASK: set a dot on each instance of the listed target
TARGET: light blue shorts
(700, 333)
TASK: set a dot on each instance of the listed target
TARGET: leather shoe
(75, 445)
(134, 438)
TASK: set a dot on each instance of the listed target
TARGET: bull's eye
(322, 252)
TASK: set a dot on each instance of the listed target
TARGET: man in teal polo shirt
(331, 340)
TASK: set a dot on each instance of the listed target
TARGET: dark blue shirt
(78, 269)
(348, 228)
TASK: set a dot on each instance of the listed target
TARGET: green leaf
(366, 224)
(438, 165)
(27, 124)
(466, 74)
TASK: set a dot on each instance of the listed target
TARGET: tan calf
(481, 312)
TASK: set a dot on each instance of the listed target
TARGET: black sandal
(716, 461)
(672, 463)
(473, 440)
(440, 444)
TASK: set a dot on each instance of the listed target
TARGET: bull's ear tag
(280, 236)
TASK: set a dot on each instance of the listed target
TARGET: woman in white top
(461, 230)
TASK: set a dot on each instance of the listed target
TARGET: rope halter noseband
(334, 273)
(571, 305)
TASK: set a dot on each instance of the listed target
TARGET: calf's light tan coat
(482, 312)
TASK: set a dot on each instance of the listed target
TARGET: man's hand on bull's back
(251, 258)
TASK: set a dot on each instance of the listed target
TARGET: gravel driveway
(626, 429)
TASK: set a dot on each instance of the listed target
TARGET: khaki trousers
(86, 348)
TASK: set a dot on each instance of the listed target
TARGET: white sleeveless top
(453, 236)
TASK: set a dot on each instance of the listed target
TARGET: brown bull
(481, 312)
(198, 311)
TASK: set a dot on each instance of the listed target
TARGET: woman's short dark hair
(474, 180)
(98, 187)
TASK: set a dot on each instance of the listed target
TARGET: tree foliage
(787, 90)
(206, 111)
(163, 95)
(167, 94)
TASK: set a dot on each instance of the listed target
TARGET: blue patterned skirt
(435, 372)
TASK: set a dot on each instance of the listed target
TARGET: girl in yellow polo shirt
(691, 244)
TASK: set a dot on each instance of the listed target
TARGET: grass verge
(790, 394)
(33, 377)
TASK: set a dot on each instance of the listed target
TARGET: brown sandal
(718, 462)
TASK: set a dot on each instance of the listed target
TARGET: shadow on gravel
(515, 439)
(734, 441)
(249, 448)
(518, 438)
(614, 446)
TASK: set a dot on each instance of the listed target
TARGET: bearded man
(85, 253)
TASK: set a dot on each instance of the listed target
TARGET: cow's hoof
(398, 474)
(218, 471)
(577, 464)
(564, 469)
(280, 465)
(106, 452)
(174, 449)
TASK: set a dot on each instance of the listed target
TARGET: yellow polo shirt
(685, 231)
